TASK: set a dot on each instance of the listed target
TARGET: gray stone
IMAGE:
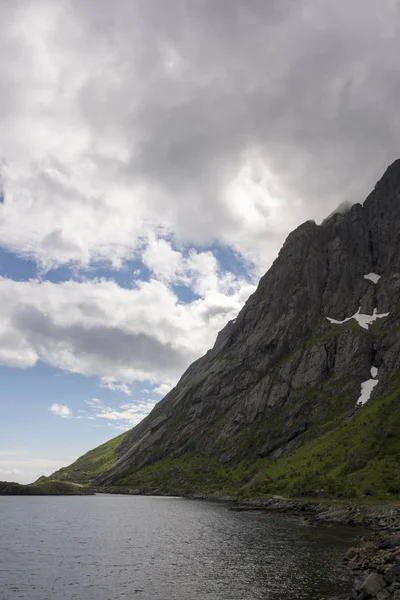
(393, 574)
(373, 584)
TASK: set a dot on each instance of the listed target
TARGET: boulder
(372, 585)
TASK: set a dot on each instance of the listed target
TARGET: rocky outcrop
(282, 368)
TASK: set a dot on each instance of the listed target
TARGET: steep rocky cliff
(314, 346)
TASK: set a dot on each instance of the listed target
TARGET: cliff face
(293, 363)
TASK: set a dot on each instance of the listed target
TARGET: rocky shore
(374, 566)
(329, 512)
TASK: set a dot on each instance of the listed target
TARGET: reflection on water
(129, 547)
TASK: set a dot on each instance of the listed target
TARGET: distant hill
(43, 487)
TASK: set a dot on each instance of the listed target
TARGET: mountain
(301, 392)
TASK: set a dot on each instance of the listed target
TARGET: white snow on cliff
(367, 387)
(374, 372)
(372, 277)
(366, 391)
(363, 320)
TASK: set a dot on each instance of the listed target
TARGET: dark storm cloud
(313, 87)
(151, 115)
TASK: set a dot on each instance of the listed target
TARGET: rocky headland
(44, 488)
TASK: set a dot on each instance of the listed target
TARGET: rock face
(282, 367)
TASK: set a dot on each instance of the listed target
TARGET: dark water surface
(140, 548)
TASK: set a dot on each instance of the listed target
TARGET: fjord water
(110, 547)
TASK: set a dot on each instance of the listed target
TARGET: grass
(43, 487)
(91, 464)
(356, 459)
(58, 488)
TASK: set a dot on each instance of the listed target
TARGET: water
(139, 548)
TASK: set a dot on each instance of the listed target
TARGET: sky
(153, 157)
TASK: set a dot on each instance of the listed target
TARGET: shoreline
(376, 515)
(373, 566)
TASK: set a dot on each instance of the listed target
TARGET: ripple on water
(118, 547)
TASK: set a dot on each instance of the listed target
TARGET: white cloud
(121, 417)
(28, 468)
(94, 403)
(168, 265)
(120, 335)
(162, 389)
(111, 384)
(61, 410)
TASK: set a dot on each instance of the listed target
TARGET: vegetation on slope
(359, 457)
(91, 464)
(42, 487)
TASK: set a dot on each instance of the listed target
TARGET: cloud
(61, 410)
(111, 384)
(162, 389)
(18, 466)
(121, 417)
(120, 335)
(203, 121)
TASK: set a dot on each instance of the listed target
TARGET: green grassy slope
(91, 464)
(353, 456)
(43, 487)
(359, 457)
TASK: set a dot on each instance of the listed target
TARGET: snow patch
(374, 372)
(340, 322)
(367, 387)
(372, 277)
(366, 391)
(363, 320)
(366, 320)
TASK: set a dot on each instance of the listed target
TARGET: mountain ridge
(290, 367)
